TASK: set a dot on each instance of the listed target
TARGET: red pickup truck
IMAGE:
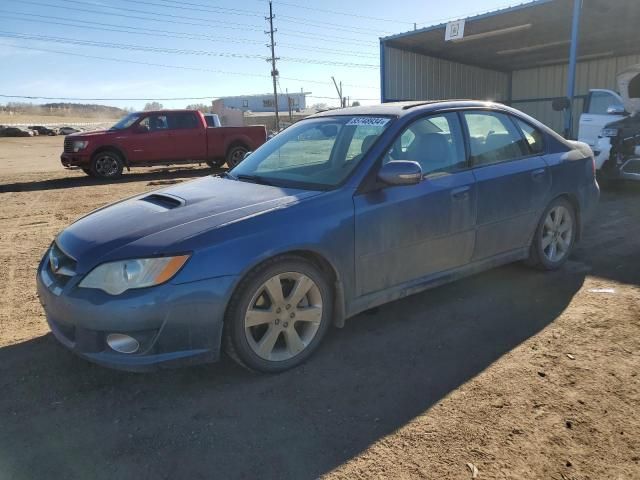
(163, 137)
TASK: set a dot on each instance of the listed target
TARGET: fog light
(122, 343)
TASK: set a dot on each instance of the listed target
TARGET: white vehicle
(601, 107)
(212, 119)
(607, 114)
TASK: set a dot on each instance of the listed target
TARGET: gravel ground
(516, 373)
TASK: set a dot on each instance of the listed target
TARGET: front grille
(68, 145)
(632, 166)
(61, 265)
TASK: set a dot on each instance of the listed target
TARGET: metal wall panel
(551, 81)
(411, 76)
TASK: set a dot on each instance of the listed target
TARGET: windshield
(126, 122)
(319, 152)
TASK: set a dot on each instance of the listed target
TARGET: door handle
(460, 193)
(538, 174)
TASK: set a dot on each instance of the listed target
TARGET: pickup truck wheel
(235, 155)
(107, 164)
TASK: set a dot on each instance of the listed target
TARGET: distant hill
(63, 109)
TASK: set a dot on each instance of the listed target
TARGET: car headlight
(79, 145)
(118, 277)
(610, 132)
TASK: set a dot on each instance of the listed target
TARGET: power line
(84, 99)
(164, 50)
(177, 67)
(234, 11)
(152, 32)
(227, 25)
(347, 14)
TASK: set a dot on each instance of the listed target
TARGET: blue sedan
(341, 212)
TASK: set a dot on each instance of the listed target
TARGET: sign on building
(454, 31)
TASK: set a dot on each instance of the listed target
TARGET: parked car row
(339, 213)
(35, 130)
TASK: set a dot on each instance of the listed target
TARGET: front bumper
(175, 324)
(70, 160)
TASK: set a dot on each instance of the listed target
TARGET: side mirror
(559, 104)
(615, 110)
(141, 129)
(400, 172)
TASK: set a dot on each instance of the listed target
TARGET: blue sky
(203, 48)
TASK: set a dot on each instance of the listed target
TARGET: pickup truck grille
(68, 145)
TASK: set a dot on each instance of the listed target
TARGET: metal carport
(518, 55)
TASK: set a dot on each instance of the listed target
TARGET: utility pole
(274, 70)
(339, 90)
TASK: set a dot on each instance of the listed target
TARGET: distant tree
(355, 104)
(153, 106)
(204, 108)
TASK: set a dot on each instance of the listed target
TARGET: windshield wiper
(253, 179)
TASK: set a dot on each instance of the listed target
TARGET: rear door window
(183, 121)
(493, 138)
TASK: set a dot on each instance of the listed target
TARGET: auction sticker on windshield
(368, 121)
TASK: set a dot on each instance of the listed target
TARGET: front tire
(235, 155)
(555, 236)
(278, 315)
(107, 165)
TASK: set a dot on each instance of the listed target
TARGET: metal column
(571, 78)
(382, 75)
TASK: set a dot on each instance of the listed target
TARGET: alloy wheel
(237, 155)
(106, 165)
(557, 233)
(283, 316)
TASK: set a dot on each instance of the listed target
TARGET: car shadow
(155, 176)
(61, 414)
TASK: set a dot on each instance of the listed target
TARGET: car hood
(94, 133)
(629, 88)
(178, 212)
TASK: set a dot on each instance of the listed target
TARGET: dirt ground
(516, 373)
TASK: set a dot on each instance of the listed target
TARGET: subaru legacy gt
(339, 213)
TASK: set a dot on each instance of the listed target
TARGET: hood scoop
(163, 201)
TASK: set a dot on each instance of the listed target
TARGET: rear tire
(107, 165)
(235, 155)
(278, 315)
(555, 236)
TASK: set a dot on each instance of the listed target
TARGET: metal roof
(532, 34)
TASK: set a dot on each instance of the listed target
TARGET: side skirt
(425, 283)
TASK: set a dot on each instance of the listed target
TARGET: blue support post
(382, 82)
(571, 78)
